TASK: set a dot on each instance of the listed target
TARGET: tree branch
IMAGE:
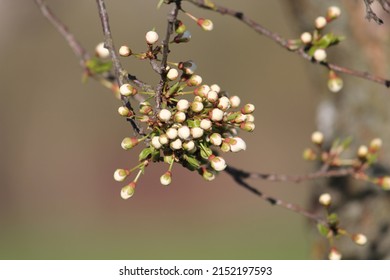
(285, 43)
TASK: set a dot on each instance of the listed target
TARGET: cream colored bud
(333, 12)
(317, 138)
(215, 88)
(223, 103)
(197, 106)
(359, 239)
(197, 132)
(165, 115)
(306, 38)
(216, 115)
(320, 22)
(206, 24)
(171, 133)
(123, 111)
(163, 139)
(184, 132)
(126, 89)
(212, 96)
(156, 142)
(362, 151)
(334, 254)
(125, 51)
(179, 117)
(248, 108)
(102, 51)
(172, 74)
(182, 105)
(120, 175)
(325, 199)
(234, 101)
(237, 145)
(217, 163)
(128, 190)
(205, 124)
(215, 139)
(320, 55)
(250, 118)
(188, 146)
(151, 37)
(176, 145)
(376, 144)
(194, 80)
(166, 178)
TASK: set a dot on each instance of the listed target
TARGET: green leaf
(372, 158)
(173, 89)
(155, 155)
(233, 116)
(96, 66)
(193, 123)
(145, 153)
(192, 161)
(323, 229)
(333, 219)
(346, 142)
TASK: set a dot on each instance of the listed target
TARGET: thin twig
(370, 14)
(120, 73)
(285, 43)
(236, 175)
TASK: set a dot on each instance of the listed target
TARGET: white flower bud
(182, 105)
(237, 145)
(306, 38)
(128, 190)
(101, 51)
(359, 239)
(333, 12)
(125, 51)
(123, 111)
(317, 138)
(151, 37)
(205, 124)
(163, 139)
(171, 133)
(126, 89)
(248, 108)
(240, 118)
(217, 163)
(194, 80)
(188, 146)
(176, 145)
(216, 115)
(120, 174)
(172, 74)
(180, 117)
(335, 84)
(320, 22)
(212, 96)
(320, 55)
(165, 115)
(250, 118)
(196, 132)
(362, 151)
(202, 91)
(206, 24)
(334, 254)
(166, 178)
(184, 132)
(325, 199)
(223, 103)
(215, 88)
(215, 139)
(197, 106)
(234, 101)
(385, 183)
(376, 144)
(156, 142)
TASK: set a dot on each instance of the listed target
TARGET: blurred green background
(60, 141)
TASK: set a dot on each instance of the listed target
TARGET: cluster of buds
(315, 44)
(194, 123)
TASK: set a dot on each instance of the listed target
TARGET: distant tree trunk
(360, 110)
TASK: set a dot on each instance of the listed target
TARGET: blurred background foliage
(60, 140)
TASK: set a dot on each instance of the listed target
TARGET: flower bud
(212, 96)
(359, 239)
(128, 190)
(125, 51)
(179, 27)
(121, 174)
(250, 118)
(240, 118)
(207, 174)
(248, 109)
(164, 115)
(334, 254)
(172, 74)
(234, 101)
(197, 106)
(320, 22)
(127, 90)
(206, 24)
(124, 111)
(171, 133)
(202, 91)
(101, 51)
(187, 67)
(335, 84)
(166, 178)
(151, 37)
(375, 144)
(145, 108)
(319, 55)
(325, 199)
(217, 163)
(247, 126)
(188, 146)
(156, 142)
(183, 37)
(309, 154)
(184, 132)
(176, 145)
(179, 117)
(128, 143)
(384, 183)
(223, 103)
(333, 12)
(163, 139)
(194, 80)
(225, 147)
(306, 38)
(216, 115)
(237, 144)
(205, 124)
(182, 105)
(196, 132)
(362, 152)
(317, 138)
(215, 139)
(215, 88)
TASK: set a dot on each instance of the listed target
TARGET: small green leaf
(145, 153)
(173, 89)
(192, 161)
(233, 116)
(346, 142)
(193, 123)
(96, 66)
(323, 229)
(333, 219)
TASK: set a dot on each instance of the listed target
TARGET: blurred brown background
(60, 141)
